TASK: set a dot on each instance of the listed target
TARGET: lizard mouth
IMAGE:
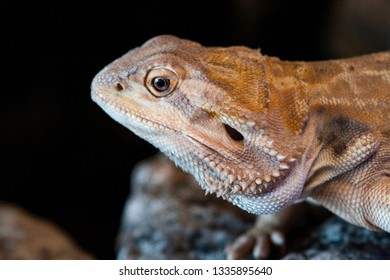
(114, 109)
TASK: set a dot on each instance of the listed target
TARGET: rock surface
(26, 237)
(337, 239)
(168, 216)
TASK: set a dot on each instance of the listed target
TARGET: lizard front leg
(351, 175)
(377, 201)
(366, 205)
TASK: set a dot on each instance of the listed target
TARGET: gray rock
(168, 216)
(26, 237)
(337, 239)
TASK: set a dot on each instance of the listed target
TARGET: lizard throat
(224, 176)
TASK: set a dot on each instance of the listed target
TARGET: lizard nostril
(119, 86)
(234, 134)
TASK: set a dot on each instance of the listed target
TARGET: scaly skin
(261, 132)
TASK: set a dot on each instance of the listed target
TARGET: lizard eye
(161, 81)
(161, 84)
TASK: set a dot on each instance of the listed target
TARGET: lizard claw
(258, 242)
(262, 247)
(240, 247)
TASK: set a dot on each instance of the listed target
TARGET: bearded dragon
(260, 132)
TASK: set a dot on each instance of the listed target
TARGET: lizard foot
(259, 242)
(267, 237)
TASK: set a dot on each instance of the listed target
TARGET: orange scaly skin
(261, 132)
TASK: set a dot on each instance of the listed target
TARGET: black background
(61, 156)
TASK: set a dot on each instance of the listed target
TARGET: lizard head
(207, 109)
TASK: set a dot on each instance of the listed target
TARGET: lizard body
(261, 132)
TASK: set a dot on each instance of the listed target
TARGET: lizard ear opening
(233, 133)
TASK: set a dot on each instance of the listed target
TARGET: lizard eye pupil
(161, 81)
(161, 84)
